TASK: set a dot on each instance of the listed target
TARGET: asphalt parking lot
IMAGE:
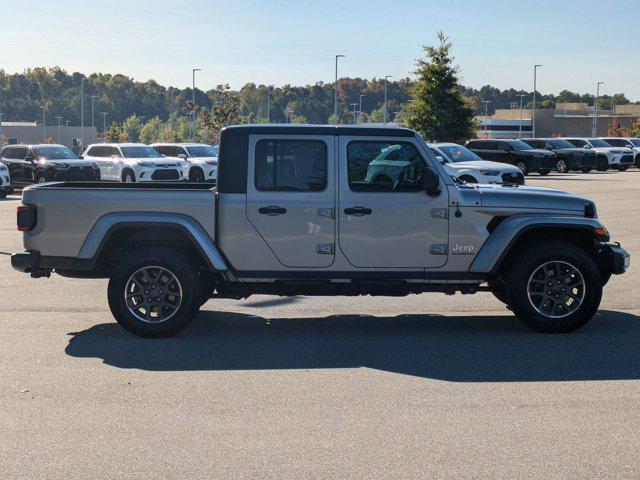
(418, 387)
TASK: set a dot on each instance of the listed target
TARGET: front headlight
(145, 164)
(490, 173)
(3, 167)
(95, 165)
(211, 162)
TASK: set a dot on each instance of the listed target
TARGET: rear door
(386, 219)
(15, 159)
(291, 197)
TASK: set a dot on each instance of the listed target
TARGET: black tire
(41, 177)
(603, 164)
(544, 173)
(523, 167)
(622, 168)
(3, 195)
(188, 282)
(529, 262)
(468, 179)
(637, 162)
(128, 176)
(196, 175)
(498, 289)
(585, 170)
(562, 166)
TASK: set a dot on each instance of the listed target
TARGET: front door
(290, 197)
(386, 219)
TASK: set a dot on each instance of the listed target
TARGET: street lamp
(360, 112)
(93, 126)
(385, 98)
(486, 115)
(335, 93)
(594, 132)
(82, 113)
(59, 130)
(104, 122)
(44, 121)
(142, 117)
(520, 126)
(533, 113)
(269, 87)
(354, 105)
(66, 123)
(193, 92)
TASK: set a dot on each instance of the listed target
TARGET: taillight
(27, 217)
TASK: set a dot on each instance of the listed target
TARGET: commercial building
(567, 119)
(30, 132)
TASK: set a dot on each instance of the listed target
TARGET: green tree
(115, 134)
(437, 109)
(151, 130)
(132, 127)
(224, 111)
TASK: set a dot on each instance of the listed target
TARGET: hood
(613, 149)
(531, 197)
(574, 151)
(484, 165)
(535, 152)
(156, 162)
(71, 162)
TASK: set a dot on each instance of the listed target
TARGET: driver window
(384, 167)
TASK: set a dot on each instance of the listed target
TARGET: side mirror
(440, 158)
(163, 155)
(30, 157)
(182, 156)
(81, 157)
(431, 182)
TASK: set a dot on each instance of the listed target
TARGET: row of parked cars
(123, 162)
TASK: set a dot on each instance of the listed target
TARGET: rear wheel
(603, 164)
(196, 176)
(155, 292)
(555, 288)
(523, 167)
(41, 177)
(128, 176)
(562, 167)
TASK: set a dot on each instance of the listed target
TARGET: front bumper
(148, 174)
(617, 259)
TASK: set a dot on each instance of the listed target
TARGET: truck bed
(67, 211)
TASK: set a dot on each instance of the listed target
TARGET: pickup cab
(297, 211)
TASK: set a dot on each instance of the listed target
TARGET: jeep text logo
(462, 249)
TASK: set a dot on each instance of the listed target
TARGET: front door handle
(272, 210)
(357, 211)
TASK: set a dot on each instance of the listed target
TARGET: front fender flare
(111, 222)
(497, 246)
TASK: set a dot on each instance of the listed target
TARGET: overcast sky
(496, 42)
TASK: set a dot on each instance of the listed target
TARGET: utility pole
(104, 122)
(385, 98)
(520, 126)
(44, 121)
(486, 115)
(59, 130)
(193, 91)
(335, 93)
(533, 112)
(594, 132)
(354, 105)
(82, 114)
(93, 126)
(360, 112)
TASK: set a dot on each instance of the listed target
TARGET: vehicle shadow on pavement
(452, 348)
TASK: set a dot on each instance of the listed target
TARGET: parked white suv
(461, 162)
(625, 142)
(199, 160)
(132, 162)
(607, 155)
(5, 181)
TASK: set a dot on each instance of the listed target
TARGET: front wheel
(41, 178)
(544, 173)
(554, 288)
(585, 170)
(3, 195)
(129, 177)
(562, 166)
(155, 292)
(523, 167)
(603, 164)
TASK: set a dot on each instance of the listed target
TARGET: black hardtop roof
(288, 129)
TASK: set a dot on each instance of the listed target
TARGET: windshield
(457, 153)
(55, 153)
(202, 151)
(519, 145)
(635, 141)
(561, 144)
(140, 152)
(596, 142)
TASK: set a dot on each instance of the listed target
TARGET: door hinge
(326, 249)
(440, 213)
(327, 212)
(439, 249)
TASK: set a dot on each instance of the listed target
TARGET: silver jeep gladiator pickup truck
(298, 211)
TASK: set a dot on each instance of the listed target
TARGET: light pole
(142, 117)
(594, 132)
(44, 121)
(269, 87)
(354, 105)
(104, 122)
(193, 98)
(82, 114)
(66, 123)
(520, 126)
(93, 126)
(59, 130)
(533, 112)
(486, 115)
(385, 98)
(360, 111)
(335, 92)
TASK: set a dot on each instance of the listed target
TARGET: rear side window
(291, 165)
(578, 143)
(616, 142)
(384, 167)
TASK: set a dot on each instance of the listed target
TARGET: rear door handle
(272, 210)
(357, 211)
